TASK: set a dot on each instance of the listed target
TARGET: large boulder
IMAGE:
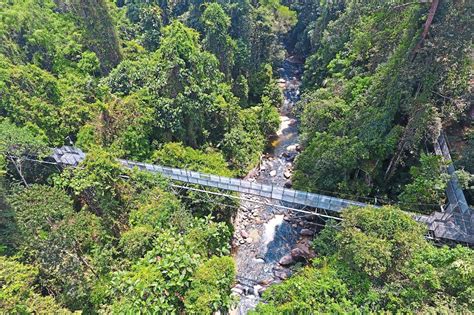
(244, 234)
(306, 232)
(286, 260)
(298, 254)
(281, 274)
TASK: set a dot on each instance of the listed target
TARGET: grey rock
(237, 291)
(273, 173)
(286, 260)
(244, 234)
(291, 158)
(306, 232)
(266, 281)
(259, 260)
(298, 253)
(281, 275)
(256, 289)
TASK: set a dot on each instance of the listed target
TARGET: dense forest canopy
(377, 94)
(193, 84)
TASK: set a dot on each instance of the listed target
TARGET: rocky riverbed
(268, 240)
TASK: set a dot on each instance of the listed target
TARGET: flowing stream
(265, 237)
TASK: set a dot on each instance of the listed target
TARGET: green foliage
(320, 109)
(259, 83)
(45, 72)
(365, 82)
(191, 103)
(98, 183)
(210, 287)
(100, 171)
(325, 243)
(216, 23)
(150, 25)
(269, 118)
(124, 125)
(156, 282)
(242, 148)
(376, 262)
(328, 163)
(240, 88)
(38, 209)
(176, 155)
(100, 33)
(65, 259)
(89, 63)
(18, 290)
(137, 241)
(15, 142)
(209, 238)
(191, 85)
(159, 210)
(32, 31)
(310, 290)
(465, 179)
(379, 240)
(428, 184)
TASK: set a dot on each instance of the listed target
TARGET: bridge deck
(73, 156)
(450, 225)
(247, 187)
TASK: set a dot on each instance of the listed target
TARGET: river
(266, 236)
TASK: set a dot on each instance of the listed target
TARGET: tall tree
(101, 34)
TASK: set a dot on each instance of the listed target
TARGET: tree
(379, 241)
(66, 259)
(98, 183)
(319, 110)
(216, 39)
(100, 33)
(210, 287)
(137, 241)
(124, 125)
(269, 119)
(17, 145)
(242, 148)
(157, 282)
(310, 290)
(159, 209)
(330, 163)
(150, 25)
(192, 105)
(377, 260)
(38, 209)
(176, 155)
(426, 191)
(18, 292)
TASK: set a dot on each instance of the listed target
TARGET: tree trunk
(429, 20)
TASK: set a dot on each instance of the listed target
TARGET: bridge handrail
(243, 186)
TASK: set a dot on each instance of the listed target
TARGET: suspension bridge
(454, 225)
